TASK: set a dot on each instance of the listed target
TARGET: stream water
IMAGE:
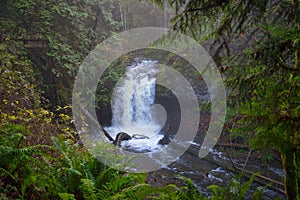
(132, 101)
(133, 113)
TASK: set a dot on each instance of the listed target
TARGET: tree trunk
(165, 15)
(297, 25)
(289, 162)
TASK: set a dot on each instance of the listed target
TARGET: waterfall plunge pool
(132, 108)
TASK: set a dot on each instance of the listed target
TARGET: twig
(95, 122)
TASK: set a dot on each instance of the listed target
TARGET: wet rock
(165, 140)
(121, 137)
(139, 137)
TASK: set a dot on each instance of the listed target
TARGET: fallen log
(234, 145)
(260, 176)
(262, 180)
(121, 137)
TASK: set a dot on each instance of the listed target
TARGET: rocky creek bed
(225, 161)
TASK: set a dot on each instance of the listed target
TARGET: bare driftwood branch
(94, 121)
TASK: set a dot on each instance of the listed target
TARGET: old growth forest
(255, 46)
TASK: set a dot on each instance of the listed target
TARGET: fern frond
(88, 189)
(8, 173)
(9, 154)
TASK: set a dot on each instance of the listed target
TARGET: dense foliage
(58, 35)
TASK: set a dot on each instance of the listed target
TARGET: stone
(165, 140)
(121, 137)
(139, 137)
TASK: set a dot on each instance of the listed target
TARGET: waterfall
(133, 98)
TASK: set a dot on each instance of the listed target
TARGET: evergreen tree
(258, 43)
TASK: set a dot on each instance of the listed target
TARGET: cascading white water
(132, 100)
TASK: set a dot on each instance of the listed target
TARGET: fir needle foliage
(258, 45)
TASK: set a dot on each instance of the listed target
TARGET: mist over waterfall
(133, 98)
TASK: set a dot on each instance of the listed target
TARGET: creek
(133, 111)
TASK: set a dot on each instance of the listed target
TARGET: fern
(189, 191)
(88, 172)
(71, 168)
(219, 193)
(9, 155)
(235, 190)
(63, 150)
(139, 191)
(88, 189)
(3, 171)
(11, 152)
(66, 196)
(19, 163)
